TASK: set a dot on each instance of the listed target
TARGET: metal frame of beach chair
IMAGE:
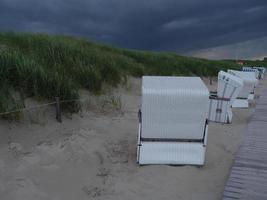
(173, 125)
(229, 86)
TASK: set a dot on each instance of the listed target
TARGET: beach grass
(44, 66)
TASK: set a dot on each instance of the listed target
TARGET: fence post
(58, 110)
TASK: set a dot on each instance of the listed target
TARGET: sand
(92, 155)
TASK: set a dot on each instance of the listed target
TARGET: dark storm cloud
(169, 25)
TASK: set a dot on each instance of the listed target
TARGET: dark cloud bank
(166, 25)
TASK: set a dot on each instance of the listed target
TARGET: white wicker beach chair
(173, 125)
(262, 71)
(252, 69)
(247, 92)
(229, 86)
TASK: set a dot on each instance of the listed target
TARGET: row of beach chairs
(175, 112)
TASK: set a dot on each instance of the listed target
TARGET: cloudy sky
(205, 28)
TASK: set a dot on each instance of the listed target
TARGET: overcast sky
(206, 28)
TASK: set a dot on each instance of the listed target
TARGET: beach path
(248, 176)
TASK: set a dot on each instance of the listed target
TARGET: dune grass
(43, 66)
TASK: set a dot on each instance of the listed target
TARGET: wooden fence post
(58, 110)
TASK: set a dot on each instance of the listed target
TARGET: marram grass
(42, 66)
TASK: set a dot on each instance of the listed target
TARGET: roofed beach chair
(262, 71)
(247, 92)
(173, 124)
(229, 87)
(252, 69)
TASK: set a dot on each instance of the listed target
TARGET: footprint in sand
(51, 167)
(15, 148)
(100, 158)
(118, 152)
(93, 191)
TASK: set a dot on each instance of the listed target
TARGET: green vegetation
(258, 63)
(42, 66)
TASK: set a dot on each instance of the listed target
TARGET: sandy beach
(92, 155)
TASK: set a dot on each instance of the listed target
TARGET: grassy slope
(43, 66)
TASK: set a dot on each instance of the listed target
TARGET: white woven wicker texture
(249, 82)
(174, 107)
(172, 153)
(219, 110)
(261, 70)
(240, 103)
(250, 69)
(229, 86)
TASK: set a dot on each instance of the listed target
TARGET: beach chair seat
(229, 86)
(173, 125)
